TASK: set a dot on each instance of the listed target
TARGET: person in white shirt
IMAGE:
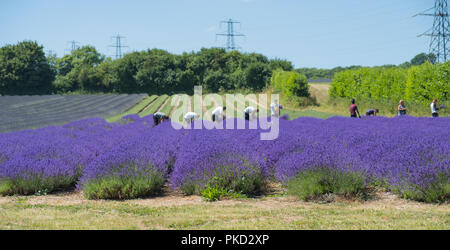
(250, 112)
(275, 109)
(189, 117)
(217, 114)
(434, 108)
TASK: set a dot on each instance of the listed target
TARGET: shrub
(427, 82)
(290, 83)
(217, 193)
(36, 185)
(313, 183)
(213, 194)
(437, 191)
(125, 187)
(229, 179)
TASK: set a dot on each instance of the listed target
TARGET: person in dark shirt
(354, 110)
(372, 112)
(159, 117)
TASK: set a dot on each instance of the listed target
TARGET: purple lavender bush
(40, 161)
(220, 158)
(406, 155)
(409, 156)
(137, 166)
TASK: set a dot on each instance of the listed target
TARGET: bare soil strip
(189, 104)
(148, 105)
(176, 105)
(164, 104)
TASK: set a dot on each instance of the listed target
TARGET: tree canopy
(24, 69)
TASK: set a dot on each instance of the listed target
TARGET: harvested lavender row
(29, 112)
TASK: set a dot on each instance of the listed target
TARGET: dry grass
(320, 92)
(175, 211)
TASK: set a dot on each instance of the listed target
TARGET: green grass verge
(293, 114)
(386, 107)
(74, 212)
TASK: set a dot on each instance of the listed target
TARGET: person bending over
(189, 117)
(159, 117)
(217, 113)
(372, 112)
(250, 113)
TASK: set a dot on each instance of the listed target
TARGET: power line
(230, 34)
(440, 32)
(118, 45)
(73, 46)
(51, 53)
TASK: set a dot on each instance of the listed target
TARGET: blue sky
(322, 34)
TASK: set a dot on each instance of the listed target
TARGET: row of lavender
(408, 155)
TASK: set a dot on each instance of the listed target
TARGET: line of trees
(24, 69)
(314, 73)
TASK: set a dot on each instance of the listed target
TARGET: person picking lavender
(250, 112)
(372, 112)
(189, 117)
(275, 109)
(401, 108)
(434, 108)
(159, 117)
(354, 110)
(217, 113)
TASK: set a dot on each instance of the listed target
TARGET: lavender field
(406, 155)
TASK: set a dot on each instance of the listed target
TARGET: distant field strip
(30, 112)
(154, 106)
(136, 109)
(167, 107)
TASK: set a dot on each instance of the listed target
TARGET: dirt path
(189, 104)
(164, 104)
(148, 105)
(176, 198)
(176, 105)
